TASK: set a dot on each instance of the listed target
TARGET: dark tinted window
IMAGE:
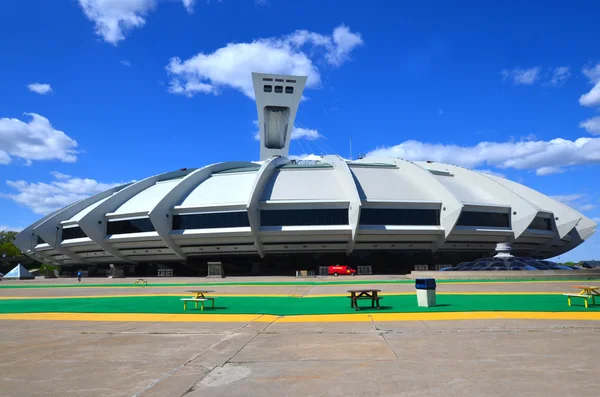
(129, 226)
(541, 224)
(267, 88)
(40, 240)
(303, 217)
(211, 221)
(399, 217)
(73, 232)
(487, 219)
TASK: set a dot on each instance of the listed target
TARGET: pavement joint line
(309, 284)
(319, 318)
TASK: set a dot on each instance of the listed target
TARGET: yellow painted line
(139, 317)
(324, 318)
(135, 295)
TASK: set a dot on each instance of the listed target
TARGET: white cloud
(114, 18)
(569, 198)
(4, 228)
(305, 133)
(231, 66)
(592, 98)
(578, 201)
(597, 220)
(522, 76)
(297, 133)
(545, 157)
(591, 125)
(126, 62)
(493, 173)
(587, 207)
(38, 88)
(189, 5)
(43, 198)
(311, 157)
(560, 75)
(35, 140)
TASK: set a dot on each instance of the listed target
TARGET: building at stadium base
(277, 215)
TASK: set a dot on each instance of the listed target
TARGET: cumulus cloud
(522, 76)
(305, 156)
(189, 5)
(38, 88)
(297, 133)
(592, 98)
(591, 125)
(493, 173)
(43, 198)
(560, 75)
(34, 140)
(231, 66)
(114, 18)
(578, 201)
(545, 157)
(126, 62)
(4, 228)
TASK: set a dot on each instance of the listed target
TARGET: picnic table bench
(586, 293)
(199, 296)
(364, 294)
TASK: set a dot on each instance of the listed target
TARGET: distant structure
(277, 100)
(283, 215)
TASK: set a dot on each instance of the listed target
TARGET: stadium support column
(94, 222)
(451, 206)
(50, 230)
(161, 215)
(277, 100)
(263, 176)
(347, 180)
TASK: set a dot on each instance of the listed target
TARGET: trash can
(425, 292)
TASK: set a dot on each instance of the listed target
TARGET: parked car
(337, 270)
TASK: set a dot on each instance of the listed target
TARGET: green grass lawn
(293, 306)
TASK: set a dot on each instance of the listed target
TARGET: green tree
(7, 246)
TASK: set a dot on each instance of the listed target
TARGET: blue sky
(96, 92)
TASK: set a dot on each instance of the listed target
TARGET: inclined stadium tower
(279, 213)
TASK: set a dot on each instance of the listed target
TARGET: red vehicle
(339, 269)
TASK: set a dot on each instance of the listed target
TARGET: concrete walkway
(442, 358)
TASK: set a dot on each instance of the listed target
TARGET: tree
(7, 247)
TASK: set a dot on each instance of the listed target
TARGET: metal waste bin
(425, 292)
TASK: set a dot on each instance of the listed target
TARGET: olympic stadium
(278, 214)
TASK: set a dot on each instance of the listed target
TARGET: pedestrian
(79, 276)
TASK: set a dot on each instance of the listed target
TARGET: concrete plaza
(379, 358)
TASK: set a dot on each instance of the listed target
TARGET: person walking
(79, 276)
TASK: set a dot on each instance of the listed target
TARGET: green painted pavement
(285, 306)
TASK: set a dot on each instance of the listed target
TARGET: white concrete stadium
(283, 212)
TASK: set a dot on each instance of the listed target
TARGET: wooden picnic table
(199, 296)
(369, 294)
(200, 293)
(586, 292)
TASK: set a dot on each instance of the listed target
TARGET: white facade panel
(232, 188)
(305, 184)
(77, 217)
(147, 199)
(376, 184)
